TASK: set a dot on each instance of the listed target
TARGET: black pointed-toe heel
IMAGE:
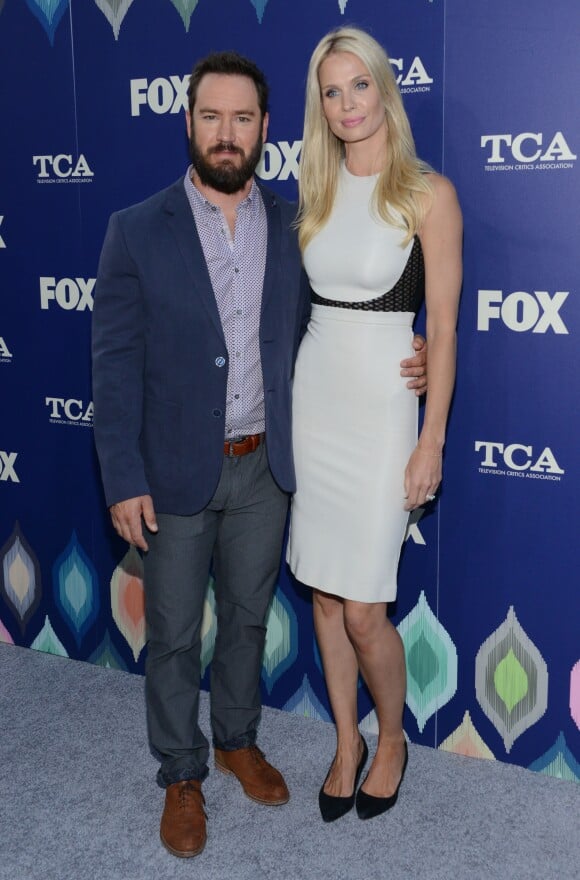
(332, 808)
(367, 806)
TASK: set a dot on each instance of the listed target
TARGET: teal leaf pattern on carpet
(305, 702)
(281, 648)
(48, 641)
(185, 9)
(76, 589)
(106, 655)
(431, 659)
(558, 761)
(260, 7)
(49, 14)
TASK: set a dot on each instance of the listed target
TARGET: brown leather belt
(243, 446)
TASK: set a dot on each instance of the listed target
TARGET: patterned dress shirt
(236, 269)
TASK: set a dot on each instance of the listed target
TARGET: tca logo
(414, 75)
(7, 471)
(70, 410)
(69, 293)
(5, 353)
(517, 457)
(527, 148)
(61, 167)
(521, 311)
(279, 160)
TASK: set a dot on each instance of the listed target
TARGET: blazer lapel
(180, 219)
(181, 222)
(271, 273)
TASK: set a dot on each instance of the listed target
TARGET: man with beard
(200, 303)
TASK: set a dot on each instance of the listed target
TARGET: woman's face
(350, 100)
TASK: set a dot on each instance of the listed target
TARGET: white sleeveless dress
(354, 419)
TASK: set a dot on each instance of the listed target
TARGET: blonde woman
(378, 230)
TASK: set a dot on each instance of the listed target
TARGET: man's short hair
(231, 64)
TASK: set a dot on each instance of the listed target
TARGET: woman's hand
(422, 477)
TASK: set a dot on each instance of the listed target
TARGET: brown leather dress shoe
(261, 782)
(183, 830)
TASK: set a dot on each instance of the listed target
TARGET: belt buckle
(231, 443)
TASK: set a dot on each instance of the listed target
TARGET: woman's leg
(341, 674)
(381, 658)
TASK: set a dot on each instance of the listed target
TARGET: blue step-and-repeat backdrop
(92, 102)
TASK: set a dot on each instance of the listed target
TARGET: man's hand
(416, 366)
(126, 516)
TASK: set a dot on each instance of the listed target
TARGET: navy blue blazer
(160, 359)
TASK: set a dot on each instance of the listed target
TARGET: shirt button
(216, 413)
(220, 361)
(238, 311)
(236, 270)
(237, 396)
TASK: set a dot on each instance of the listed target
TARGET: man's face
(226, 131)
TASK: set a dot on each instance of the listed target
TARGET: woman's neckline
(352, 176)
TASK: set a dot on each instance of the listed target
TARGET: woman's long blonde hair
(402, 184)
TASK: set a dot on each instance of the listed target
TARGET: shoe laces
(188, 792)
(257, 755)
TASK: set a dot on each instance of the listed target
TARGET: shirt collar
(196, 198)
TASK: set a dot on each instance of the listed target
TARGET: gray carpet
(78, 799)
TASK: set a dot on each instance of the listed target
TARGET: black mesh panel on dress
(406, 296)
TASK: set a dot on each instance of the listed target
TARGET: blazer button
(220, 361)
(216, 413)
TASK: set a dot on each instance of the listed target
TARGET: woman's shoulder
(443, 204)
(441, 187)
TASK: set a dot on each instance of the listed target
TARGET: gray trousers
(242, 530)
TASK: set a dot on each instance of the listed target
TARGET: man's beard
(225, 176)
